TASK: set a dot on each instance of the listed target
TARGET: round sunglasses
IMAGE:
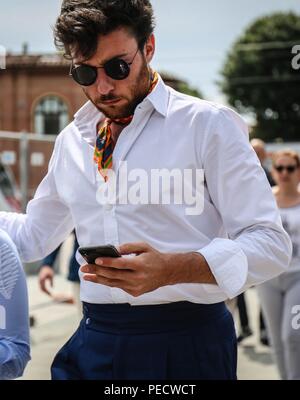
(290, 168)
(116, 68)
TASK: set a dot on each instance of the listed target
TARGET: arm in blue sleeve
(50, 259)
(14, 318)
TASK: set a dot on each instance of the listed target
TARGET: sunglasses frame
(289, 168)
(104, 66)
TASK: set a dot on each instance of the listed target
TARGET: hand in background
(46, 276)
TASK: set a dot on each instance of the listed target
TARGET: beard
(138, 91)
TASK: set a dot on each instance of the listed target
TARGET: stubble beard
(138, 92)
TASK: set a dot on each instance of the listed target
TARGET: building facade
(37, 95)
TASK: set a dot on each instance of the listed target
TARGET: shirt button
(88, 321)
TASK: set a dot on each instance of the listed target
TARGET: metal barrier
(28, 156)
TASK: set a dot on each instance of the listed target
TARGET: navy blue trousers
(171, 341)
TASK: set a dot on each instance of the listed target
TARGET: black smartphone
(90, 254)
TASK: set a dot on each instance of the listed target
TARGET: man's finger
(103, 281)
(109, 273)
(116, 262)
(134, 248)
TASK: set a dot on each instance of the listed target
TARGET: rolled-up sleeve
(257, 247)
(47, 221)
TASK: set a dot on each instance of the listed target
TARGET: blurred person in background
(10, 197)
(246, 331)
(279, 295)
(259, 147)
(14, 319)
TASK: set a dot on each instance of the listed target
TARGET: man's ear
(149, 48)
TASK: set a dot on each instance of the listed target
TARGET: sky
(192, 36)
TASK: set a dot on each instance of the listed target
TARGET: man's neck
(116, 130)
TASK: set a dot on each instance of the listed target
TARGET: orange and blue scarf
(103, 154)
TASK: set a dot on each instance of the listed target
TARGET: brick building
(37, 94)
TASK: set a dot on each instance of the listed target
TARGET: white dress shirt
(239, 232)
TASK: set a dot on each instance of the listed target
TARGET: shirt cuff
(228, 264)
(80, 260)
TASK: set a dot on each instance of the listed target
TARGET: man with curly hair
(158, 311)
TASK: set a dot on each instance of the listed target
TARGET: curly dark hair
(82, 21)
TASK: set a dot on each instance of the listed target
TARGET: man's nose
(104, 83)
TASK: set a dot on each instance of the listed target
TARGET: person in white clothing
(280, 297)
(163, 176)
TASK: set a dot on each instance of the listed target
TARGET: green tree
(180, 85)
(258, 76)
(185, 88)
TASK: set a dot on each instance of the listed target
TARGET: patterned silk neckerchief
(104, 144)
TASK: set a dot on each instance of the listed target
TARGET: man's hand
(148, 270)
(46, 275)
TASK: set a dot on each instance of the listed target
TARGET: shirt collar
(159, 97)
(88, 115)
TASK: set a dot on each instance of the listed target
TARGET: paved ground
(255, 360)
(55, 323)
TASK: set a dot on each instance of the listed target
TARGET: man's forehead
(118, 43)
(98, 60)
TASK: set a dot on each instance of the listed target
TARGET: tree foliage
(185, 88)
(258, 76)
(180, 85)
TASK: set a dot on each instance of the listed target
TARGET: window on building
(50, 116)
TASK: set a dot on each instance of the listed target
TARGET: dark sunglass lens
(290, 168)
(85, 75)
(117, 69)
